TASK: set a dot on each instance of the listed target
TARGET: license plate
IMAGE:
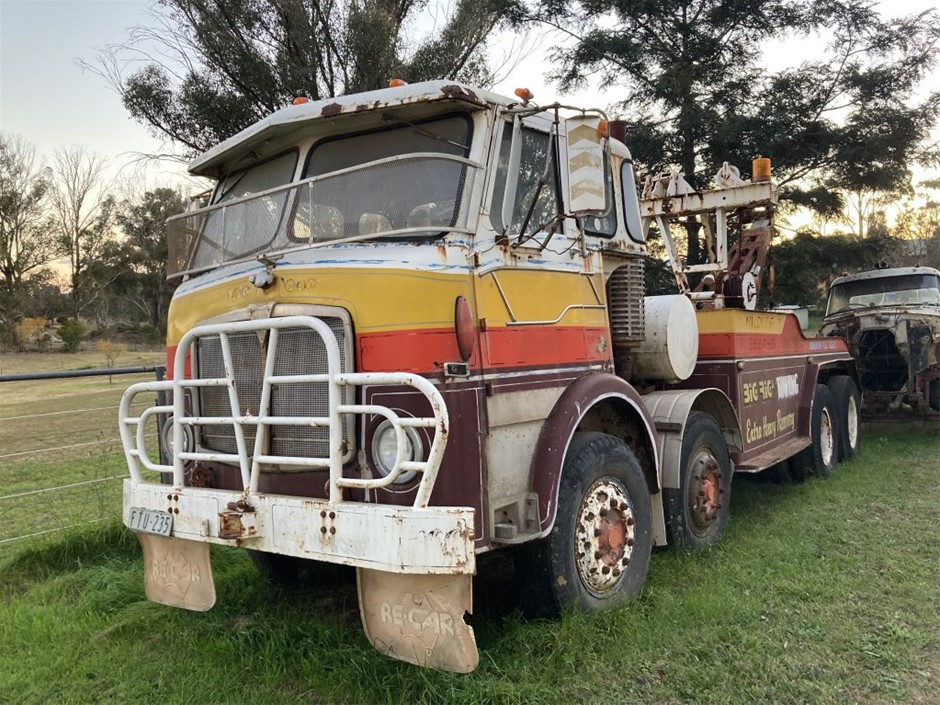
(151, 521)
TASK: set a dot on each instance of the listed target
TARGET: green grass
(825, 592)
(78, 417)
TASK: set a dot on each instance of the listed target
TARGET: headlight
(166, 440)
(385, 449)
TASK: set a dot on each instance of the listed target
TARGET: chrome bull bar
(133, 435)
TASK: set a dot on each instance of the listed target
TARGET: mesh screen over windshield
(407, 178)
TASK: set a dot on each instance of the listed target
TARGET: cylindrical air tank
(670, 348)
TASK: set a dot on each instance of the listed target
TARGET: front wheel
(697, 511)
(597, 554)
(820, 457)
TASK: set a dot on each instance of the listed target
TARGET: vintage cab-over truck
(411, 328)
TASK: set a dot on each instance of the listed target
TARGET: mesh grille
(299, 351)
(214, 401)
(419, 194)
(625, 291)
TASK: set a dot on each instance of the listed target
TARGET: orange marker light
(760, 169)
(396, 83)
(602, 129)
(300, 100)
(524, 93)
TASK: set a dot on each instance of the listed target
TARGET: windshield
(888, 291)
(405, 181)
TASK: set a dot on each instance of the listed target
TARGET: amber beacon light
(760, 169)
(396, 83)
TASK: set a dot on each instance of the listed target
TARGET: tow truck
(411, 328)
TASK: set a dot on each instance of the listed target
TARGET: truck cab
(890, 319)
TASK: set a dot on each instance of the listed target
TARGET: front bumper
(413, 540)
(433, 540)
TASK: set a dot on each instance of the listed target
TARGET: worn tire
(697, 511)
(933, 394)
(603, 524)
(847, 402)
(821, 456)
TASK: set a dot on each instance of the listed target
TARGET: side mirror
(512, 171)
(584, 156)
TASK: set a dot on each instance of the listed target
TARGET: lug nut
(597, 555)
(603, 511)
(597, 532)
(613, 502)
(631, 542)
(616, 572)
(625, 561)
(605, 570)
(322, 529)
(631, 521)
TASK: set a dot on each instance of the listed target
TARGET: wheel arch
(670, 411)
(598, 401)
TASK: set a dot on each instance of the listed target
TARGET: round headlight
(385, 450)
(166, 440)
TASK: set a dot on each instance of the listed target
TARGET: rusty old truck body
(890, 319)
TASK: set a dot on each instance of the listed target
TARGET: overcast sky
(48, 99)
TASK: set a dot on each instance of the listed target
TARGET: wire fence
(61, 461)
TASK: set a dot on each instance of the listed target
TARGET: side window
(631, 203)
(537, 148)
(605, 225)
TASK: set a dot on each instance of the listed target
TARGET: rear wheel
(847, 403)
(597, 554)
(697, 511)
(820, 457)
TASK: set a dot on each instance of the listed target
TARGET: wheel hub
(705, 490)
(605, 535)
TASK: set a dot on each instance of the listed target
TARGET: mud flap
(419, 618)
(177, 573)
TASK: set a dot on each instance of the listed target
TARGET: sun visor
(359, 111)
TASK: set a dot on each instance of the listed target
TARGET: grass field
(825, 592)
(73, 422)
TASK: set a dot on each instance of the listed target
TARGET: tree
(143, 222)
(223, 64)
(82, 218)
(804, 265)
(26, 240)
(917, 231)
(696, 94)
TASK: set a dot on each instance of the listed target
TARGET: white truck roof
(290, 117)
(884, 273)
